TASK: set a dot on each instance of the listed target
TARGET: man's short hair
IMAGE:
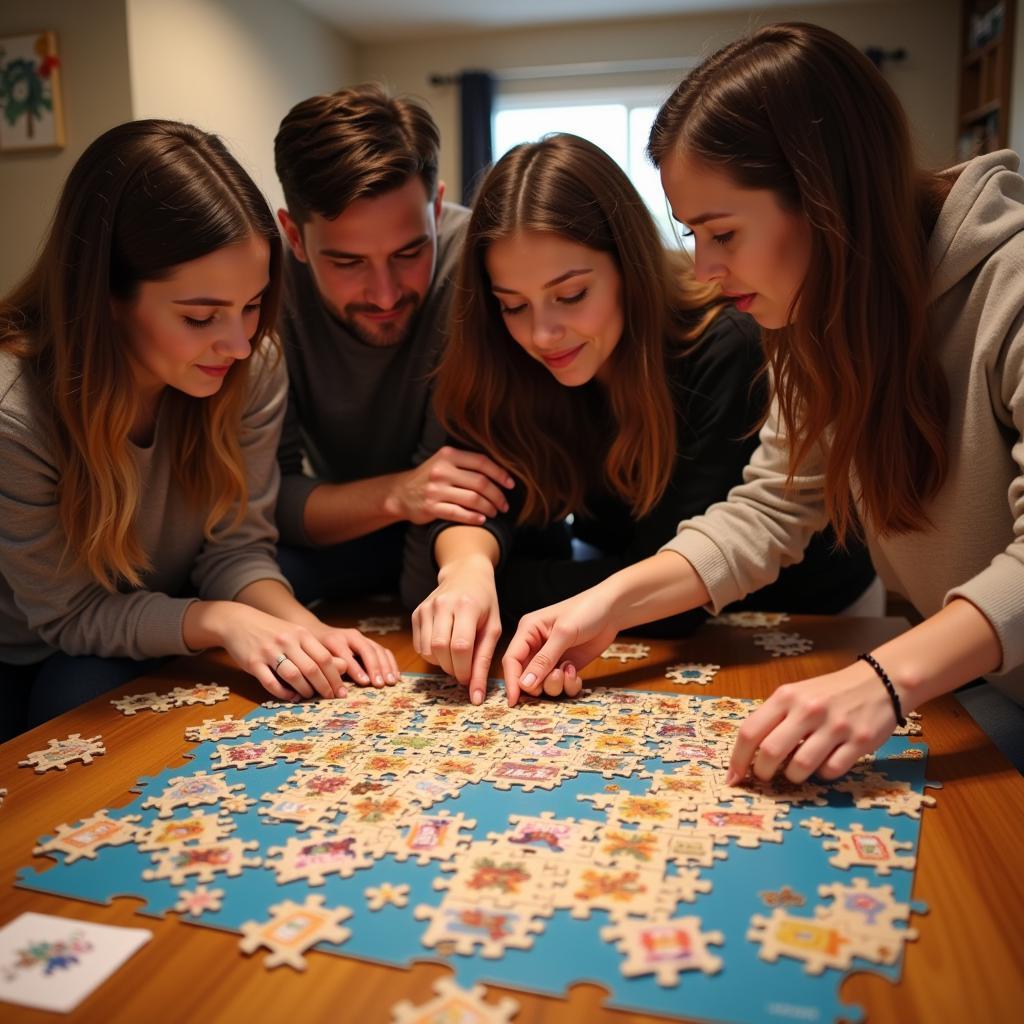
(352, 144)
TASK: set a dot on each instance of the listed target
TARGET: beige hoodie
(976, 549)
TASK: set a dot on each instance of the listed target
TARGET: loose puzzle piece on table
(455, 1005)
(85, 838)
(626, 652)
(136, 702)
(293, 929)
(783, 645)
(60, 753)
(349, 793)
(750, 620)
(692, 672)
(202, 693)
(380, 624)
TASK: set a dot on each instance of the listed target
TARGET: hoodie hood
(984, 209)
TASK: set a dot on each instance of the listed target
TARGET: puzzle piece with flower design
(245, 755)
(748, 822)
(199, 827)
(465, 926)
(315, 856)
(698, 673)
(293, 929)
(661, 811)
(226, 728)
(623, 891)
(876, 789)
(607, 765)
(203, 861)
(784, 645)
(626, 652)
(60, 753)
(89, 835)
(202, 693)
(304, 811)
(557, 837)
(284, 722)
(194, 790)
(665, 947)
(499, 875)
(455, 1005)
(778, 790)
(689, 785)
(715, 754)
(136, 702)
(527, 775)
(199, 900)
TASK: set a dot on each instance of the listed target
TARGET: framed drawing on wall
(31, 116)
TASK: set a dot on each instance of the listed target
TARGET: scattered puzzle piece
(60, 753)
(377, 896)
(136, 702)
(380, 624)
(626, 652)
(699, 673)
(750, 620)
(664, 947)
(85, 838)
(198, 900)
(202, 693)
(455, 1005)
(784, 645)
(784, 897)
(293, 929)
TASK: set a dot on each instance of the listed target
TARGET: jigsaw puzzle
(533, 848)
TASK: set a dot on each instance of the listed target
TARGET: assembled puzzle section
(530, 847)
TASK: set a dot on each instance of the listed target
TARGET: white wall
(92, 44)
(234, 67)
(925, 82)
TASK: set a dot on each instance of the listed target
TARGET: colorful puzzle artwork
(592, 840)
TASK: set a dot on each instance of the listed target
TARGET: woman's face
(561, 302)
(186, 330)
(755, 249)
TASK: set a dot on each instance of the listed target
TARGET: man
(372, 246)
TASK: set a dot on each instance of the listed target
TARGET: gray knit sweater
(976, 549)
(44, 608)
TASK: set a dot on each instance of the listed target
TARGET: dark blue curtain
(476, 99)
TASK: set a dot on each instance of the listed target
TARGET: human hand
(826, 723)
(551, 646)
(455, 485)
(369, 663)
(459, 624)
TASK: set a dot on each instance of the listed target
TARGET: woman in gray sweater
(892, 307)
(141, 401)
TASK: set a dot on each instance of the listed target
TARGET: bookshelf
(986, 69)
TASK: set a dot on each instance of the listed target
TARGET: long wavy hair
(489, 393)
(797, 110)
(143, 198)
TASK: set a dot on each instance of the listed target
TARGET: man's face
(373, 263)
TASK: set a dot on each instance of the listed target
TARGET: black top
(719, 395)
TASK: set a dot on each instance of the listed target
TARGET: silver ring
(280, 658)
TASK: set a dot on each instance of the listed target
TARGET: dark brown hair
(799, 111)
(352, 144)
(143, 198)
(495, 397)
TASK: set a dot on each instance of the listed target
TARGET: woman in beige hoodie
(892, 308)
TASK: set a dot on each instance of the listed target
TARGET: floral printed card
(53, 963)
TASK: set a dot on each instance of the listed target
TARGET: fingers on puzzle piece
(698, 673)
(453, 1003)
(293, 928)
(199, 900)
(665, 947)
(386, 894)
(626, 652)
(85, 838)
(60, 753)
(380, 624)
(750, 620)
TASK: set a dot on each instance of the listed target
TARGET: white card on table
(53, 963)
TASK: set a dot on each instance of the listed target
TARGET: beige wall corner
(92, 43)
(234, 67)
(925, 82)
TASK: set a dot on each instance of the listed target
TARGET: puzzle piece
(876, 789)
(785, 645)
(819, 944)
(226, 728)
(60, 753)
(626, 652)
(527, 775)
(497, 875)
(622, 891)
(136, 702)
(466, 925)
(639, 809)
(749, 823)
(293, 928)
(784, 897)
(692, 672)
(860, 847)
(687, 848)
(85, 838)
(314, 857)
(664, 947)
(293, 721)
(292, 805)
(245, 755)
(193, 790)
(456, 1005)
(202, 693)
(559, 837)
(606, 765)
(377, 896)
(198, 900)
(750, 620)
(913, 726)
(227, 856)
(164, 834)
(430, 837)
(380, 625)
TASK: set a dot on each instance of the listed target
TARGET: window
(619, 121)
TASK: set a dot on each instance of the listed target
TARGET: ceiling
(378, 20)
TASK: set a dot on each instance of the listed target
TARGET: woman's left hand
(368, 662)
(826, 723)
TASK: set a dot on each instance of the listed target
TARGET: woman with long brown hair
(892, 302)
(586, 361)
(140, 406)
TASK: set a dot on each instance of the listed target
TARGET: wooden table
(968, 964)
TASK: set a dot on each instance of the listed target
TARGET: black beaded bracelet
(893, 695)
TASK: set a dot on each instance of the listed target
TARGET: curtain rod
(604, 67)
